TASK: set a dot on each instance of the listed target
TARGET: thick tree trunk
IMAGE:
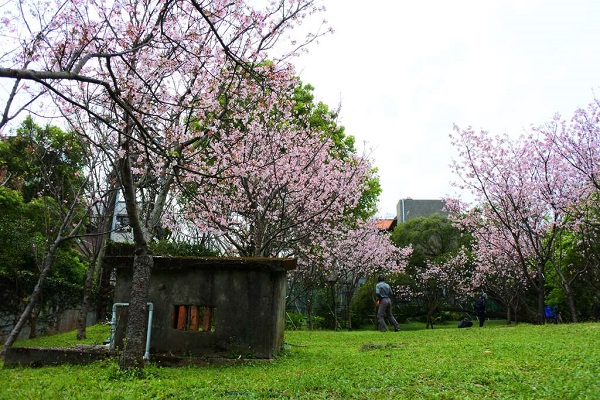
(349, 297)
(132, 356)
(334, 305)
(309, 311)
(511, 310)
(133, 352)
(428, 322)
(429, 318)
(103, 297)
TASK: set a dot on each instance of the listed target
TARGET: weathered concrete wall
(65, 321)
(247, 296)
(39, 357)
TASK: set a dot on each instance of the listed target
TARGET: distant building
(411, 208)
(386, 225)
(121, 230)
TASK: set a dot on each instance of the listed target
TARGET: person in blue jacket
(384, 292)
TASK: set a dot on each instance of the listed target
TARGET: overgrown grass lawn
(497, 361)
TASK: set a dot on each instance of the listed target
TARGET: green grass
(498, 361)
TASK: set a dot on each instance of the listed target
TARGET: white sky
(405, 71)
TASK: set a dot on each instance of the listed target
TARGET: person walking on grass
(480, 308)
(384, 309)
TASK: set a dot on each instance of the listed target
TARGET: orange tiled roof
(384, 224)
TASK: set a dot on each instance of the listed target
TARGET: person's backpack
(465, 323)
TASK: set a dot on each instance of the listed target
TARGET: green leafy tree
(42, 161)
(15, 251)
(432, 238)
(573, 279)
(438, 271)
(43, 183)
(23, 249)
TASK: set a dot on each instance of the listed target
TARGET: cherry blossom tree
(438, 274)
(577, 143)
(522, 194)
(496, 272)
(534, 192)
(144, 71)
(442, 283)
(275, 183)
(358, 253)
(287, 183)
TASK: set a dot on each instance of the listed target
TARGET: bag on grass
(465, 323)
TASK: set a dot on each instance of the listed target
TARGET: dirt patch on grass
(381, 346)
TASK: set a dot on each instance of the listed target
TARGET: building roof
(386, 224)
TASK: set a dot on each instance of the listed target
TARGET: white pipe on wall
(113, 326)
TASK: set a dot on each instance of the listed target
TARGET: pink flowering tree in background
(495, 269)
(522, 192)
(142, 71)
(356, 254)
(447, 282)
(339, 264)
(444, 283)
(497, 272)
(438, 276)
(577, 143)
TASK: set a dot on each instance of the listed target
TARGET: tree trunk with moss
(133, 350)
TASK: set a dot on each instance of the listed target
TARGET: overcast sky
(405, 72)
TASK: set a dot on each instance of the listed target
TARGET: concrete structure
(410, 208)
(41, 357)
(211, 307)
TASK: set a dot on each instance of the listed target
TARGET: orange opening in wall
(193, 317)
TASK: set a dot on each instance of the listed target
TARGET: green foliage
(15, 230)
(43, 169)
(295, 321)
(43, 161)
(432, 238)
(321, 118)
(576, 259)
(522, 361)
(162, 248)
(170, 248)
(23, 244)
(363, 309)
(367, 205)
